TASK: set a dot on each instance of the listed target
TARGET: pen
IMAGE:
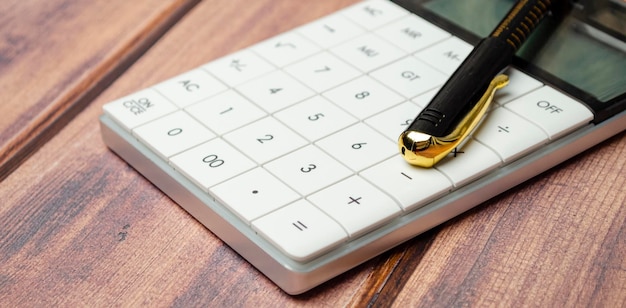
(457, 109)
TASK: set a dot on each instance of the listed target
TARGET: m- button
(556, 113)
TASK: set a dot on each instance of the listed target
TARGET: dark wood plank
(56, 56)
(557, 240)
(80, 227)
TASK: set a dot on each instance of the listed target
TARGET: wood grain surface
(79, 227)
(56, 56)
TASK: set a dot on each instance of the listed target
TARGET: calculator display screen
(586, 49)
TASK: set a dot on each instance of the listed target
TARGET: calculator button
(424, 99)
(466, 164)
(556, 113)
(330, 31)
(358, 147)
(275, 91)
(300, 230)
(322, 71)
(225, 112)
(363, 97)
(412, 33)
(356, 204)
(315, 118)
(367, 52)
(265, 140)
(374, 13)
(308, 170)
(447, 55)
(409, 77)
(253, 194)
(509, 135)
(138, 108)
(211, 163)
(190, 87)
(519, 84)
(285, 48)
(391, 123)
(239, 67)
(172, 134)
(411, 186)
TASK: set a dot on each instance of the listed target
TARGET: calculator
(287, 150)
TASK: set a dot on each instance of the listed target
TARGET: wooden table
(79, 227)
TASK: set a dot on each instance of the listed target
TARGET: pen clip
(424, 150)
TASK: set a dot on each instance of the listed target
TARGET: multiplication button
(138, 108)
(300, 230)
(556, 113)
(466, 164)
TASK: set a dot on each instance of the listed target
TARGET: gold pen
(464, 99)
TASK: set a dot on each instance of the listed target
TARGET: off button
(556, 113)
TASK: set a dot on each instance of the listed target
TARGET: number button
(275, 91)
(322, 71)
(356, 205)
(394, 121)
(225, 112)
(363, 97)
(172, 134)
(211, 163)
(265, 140)
(300, 230)
(315, 118)
(308, 169)
(358, 147)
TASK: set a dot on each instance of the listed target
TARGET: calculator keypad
(296, 135)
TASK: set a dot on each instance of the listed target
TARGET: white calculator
(287, 150)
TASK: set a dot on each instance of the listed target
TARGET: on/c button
(556, 113)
